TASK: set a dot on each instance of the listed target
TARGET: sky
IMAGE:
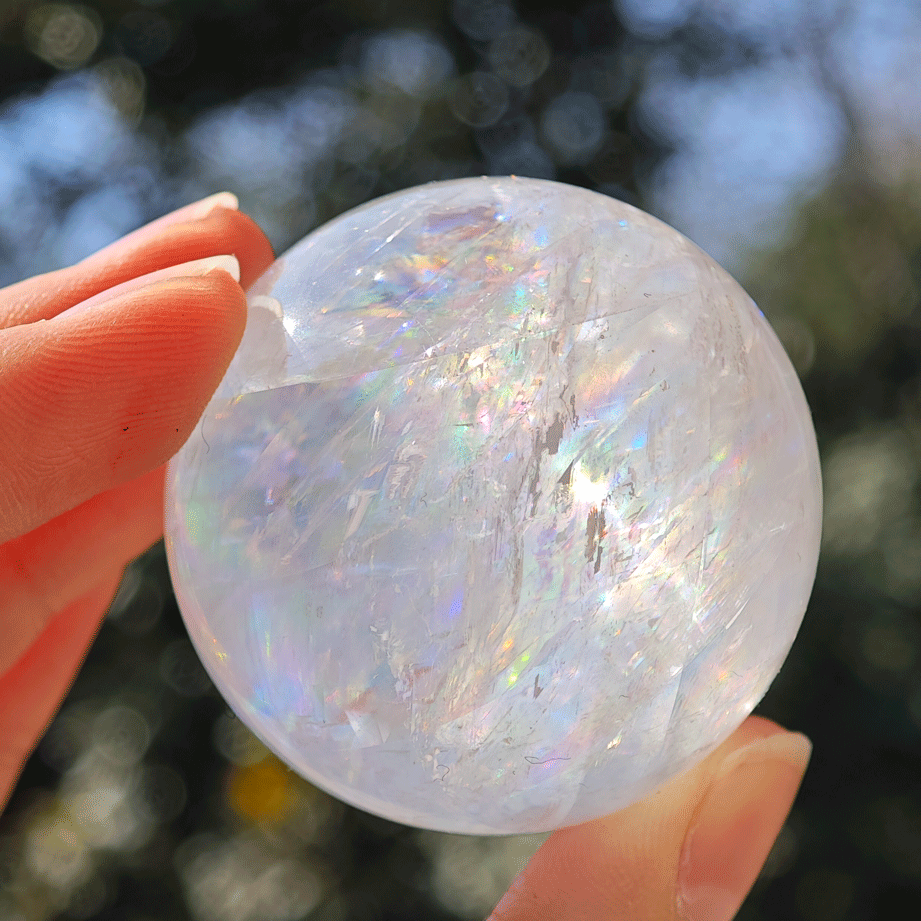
(750, 142)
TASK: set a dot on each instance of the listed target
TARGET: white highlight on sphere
(506, 511)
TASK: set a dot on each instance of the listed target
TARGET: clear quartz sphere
(506, 511)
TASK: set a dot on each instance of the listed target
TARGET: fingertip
(184, 334)
(233, 231)
(204, 317)
(256, 253)
(691, 850)
(224, 294)
(156, 248)
(736, 823)
(222, 230)
(102, 396)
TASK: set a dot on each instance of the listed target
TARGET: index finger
(207, 228)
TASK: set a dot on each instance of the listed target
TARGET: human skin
(105, 368)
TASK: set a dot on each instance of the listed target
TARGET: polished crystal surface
(507, 510)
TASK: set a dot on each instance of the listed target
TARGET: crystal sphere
(506, 511)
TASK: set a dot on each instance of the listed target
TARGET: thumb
(690, 851)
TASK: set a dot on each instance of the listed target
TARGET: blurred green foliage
(147, 799)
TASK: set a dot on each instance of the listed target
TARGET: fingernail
(737, 823)
(194, 269)
(196, 211)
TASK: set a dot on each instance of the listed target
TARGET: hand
(93, 401)
(690, 852)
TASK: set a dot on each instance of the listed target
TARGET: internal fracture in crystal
(507, 510)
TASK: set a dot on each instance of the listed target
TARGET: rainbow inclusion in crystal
(507, 510)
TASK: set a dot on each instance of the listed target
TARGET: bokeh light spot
(262, 792)
(63, 34)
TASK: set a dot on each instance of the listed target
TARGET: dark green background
(839, 276)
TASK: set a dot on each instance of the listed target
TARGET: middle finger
(170, 241)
